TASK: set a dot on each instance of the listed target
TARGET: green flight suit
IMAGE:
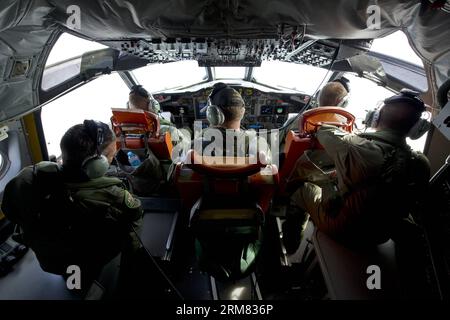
(378, 180)
(106, 195)
(68, 222)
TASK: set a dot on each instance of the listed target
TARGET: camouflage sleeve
(132, 205)
(129, 206)
(130, 210)
(332, 139)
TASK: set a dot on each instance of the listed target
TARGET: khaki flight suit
(245, 143)
(356, 204)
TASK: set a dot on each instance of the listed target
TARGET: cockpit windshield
(164, 76)
(294, 76)
(229, 72)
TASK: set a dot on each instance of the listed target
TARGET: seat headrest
(309, 121)
(134, 121)
(225, 167)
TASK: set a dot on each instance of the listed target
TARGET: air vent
(20, 68)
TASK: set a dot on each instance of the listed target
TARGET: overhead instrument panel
(288, 44)
(227, 52)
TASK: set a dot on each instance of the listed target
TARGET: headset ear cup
(214, 115)
(95, 167)
(220, 117)
(368, 119)
(419, 129)
(372, 117)
(344, 101)
(212, 119)
(375, 119)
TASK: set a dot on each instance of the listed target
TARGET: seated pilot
(78, 216)
(334, 94)
(224, 137)
(378, 179)
(139, 98)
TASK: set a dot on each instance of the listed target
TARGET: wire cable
(160, 270)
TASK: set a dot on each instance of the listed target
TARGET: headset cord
(150, 255)
(161, 271)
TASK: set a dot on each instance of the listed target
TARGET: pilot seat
(138, 130)
(347, 272)
(297, 142)
(228, 198)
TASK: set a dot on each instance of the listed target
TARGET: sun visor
(387, 71)
(362, 65)
(102, 59)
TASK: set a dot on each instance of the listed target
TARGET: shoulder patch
(130, 201)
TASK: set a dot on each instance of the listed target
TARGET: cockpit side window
(366, 95)
(93, 100)
(403, 50)
(4, 163)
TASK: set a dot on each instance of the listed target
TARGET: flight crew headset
(408, 96)
(214, 113)
(153, 104)
(96, 165)
(345, 99)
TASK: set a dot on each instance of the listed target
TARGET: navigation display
(200, 110)
(266, 110)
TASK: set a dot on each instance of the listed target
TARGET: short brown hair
(331, 93)
(136, 101)
(229, 101)
(399, 116)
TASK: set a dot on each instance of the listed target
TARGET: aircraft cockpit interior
(115, 183)
(263, 109)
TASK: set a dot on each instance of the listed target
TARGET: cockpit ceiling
(340, 19)
(214, 32)
(180, 20)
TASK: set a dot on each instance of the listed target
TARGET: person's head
(226, 107)
(332, 94)
(85, 142)
(400, 112)
(139, 98)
